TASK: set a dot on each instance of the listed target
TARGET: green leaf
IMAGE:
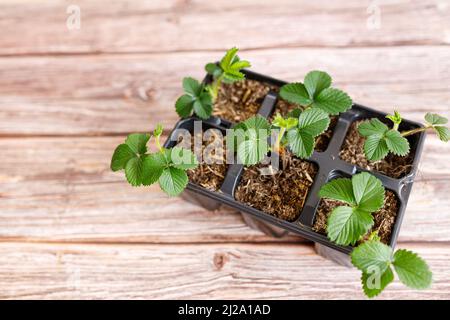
(316, 81)
(333, 101)
(257, 123)
(412, 270)
(251, 152)
(184, 105)
(192, 86)
(158, 130)
(121, 156)
(152, 168)
(295, 93)
(213, 69)
(182, 158)
(372, 255)
(133, 171)
(238, 65)
(313, 121)
(396, 118)
(371, 127)
(396, 143)
(286, 123)
(346, 225)
(339, 189)
(295, 113)
(368, 191)
(230, 77)
(236, 136)
(301, 143)
(173, 181)
(138, 142)
(374, 283)
(375, 147)
(203, 106)
(253, 145)
(443, 133)
(435, 119)
(228, 59)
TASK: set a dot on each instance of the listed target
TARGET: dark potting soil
(384, 218)
(353, 152)
(209, 176)
(240, 100)
(283, 107)
(283, 194)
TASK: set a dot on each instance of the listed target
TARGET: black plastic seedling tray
(329, 166)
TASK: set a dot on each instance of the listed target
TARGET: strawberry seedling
(376, 260)
(228, 70)
(316, 92)
(296, 133)
(198, 98)
(165, 166)
(380, 140)
(347, 224)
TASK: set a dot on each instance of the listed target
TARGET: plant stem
(414, 131)
(278, 142)
(396, 126)
(216, 86)
(158, 144)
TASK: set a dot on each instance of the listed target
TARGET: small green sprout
(285, 124)
(165, 166)
(316, 92)
(228, 70)
(380, 140)
(396, 119)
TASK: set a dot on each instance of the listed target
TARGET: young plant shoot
(198, 97)
(364, 194)
(228, 71)
(165, 166)
(380, 140)
(375, 260)
(297, 133)
(316, 92)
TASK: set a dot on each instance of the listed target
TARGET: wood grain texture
(61, 189)
(227, 271)
(185, 25)
(125, 93)
(70, 228)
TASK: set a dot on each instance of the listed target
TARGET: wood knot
(219, 260)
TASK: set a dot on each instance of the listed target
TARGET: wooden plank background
(70, 228)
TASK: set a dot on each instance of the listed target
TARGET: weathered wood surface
(184, 25)
(190, 271)
(125, 93)
(70, 228)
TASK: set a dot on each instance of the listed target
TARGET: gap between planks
(220, 51)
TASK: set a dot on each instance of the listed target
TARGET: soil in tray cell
(283, 194)
(352, 151)
(212, 174)
(240, 100)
